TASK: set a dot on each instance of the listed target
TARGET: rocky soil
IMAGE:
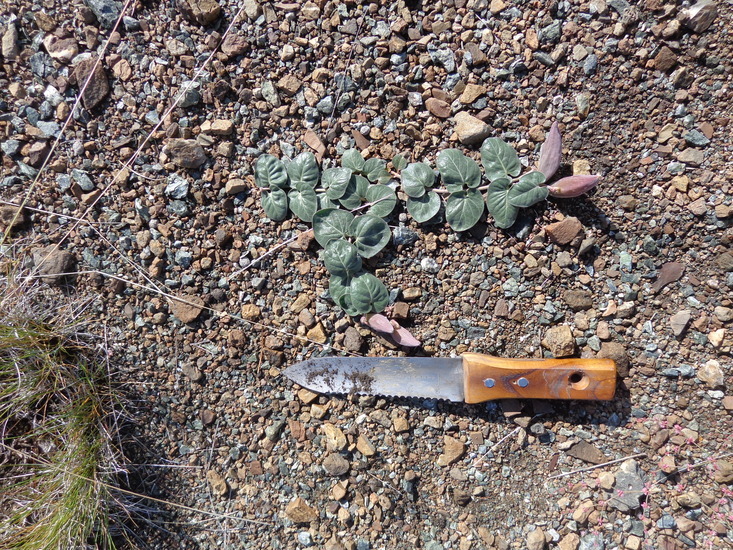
(148, 194)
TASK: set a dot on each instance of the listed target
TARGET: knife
(471, 378)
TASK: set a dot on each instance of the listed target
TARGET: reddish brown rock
(563, 232)
(665, 59)
(97, 88)
(439, 108)
(203, 12)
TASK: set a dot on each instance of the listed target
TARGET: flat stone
(711, 374)
(353, 341)
(98, 86)
(437, 107)
(617, 352)
(335, 438)
(679, 321)
(365, 446)
(335, 465)
(8, 218)
(217, 483)
(252, 9)
(203, 12)
(723, 471)
(218, 127)
(10, 43)
(186, 312)
(698, 207)
(700, 16)
(563, 232)
(725, 261)
(559, 340)
(581, 513)
(106, 11)
(569, 541)
(665, 59)
(317, 334)
(471, 93)
(717, 337)
(578, 300)
(61, 49)
(667, 464)
(691, 156)
(629, 487)
(185, 153)
(298, 511)
(290, 84)
(54, 264)
(668, 273)
(453, 449)
(689, 500)
(251, 312)
(234, 45)
(470, 130)
(724, 314)
(536, 538)
(235, 186)
(586, 452)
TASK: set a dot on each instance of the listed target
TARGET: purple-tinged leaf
(404, 337)
(573, 186)
(551, 152)
(378, 322)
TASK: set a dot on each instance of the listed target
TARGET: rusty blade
(426, 377)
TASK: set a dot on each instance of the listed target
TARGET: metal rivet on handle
(489, 382)
(523, 382)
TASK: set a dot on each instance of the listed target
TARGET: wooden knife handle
(486, 378)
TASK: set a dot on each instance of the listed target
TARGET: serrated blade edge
(425, 377)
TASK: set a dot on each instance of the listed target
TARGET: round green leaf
(399, 162)
(335, 180)
(341, 258)
(303, 170)
(330, 224)
(423, 208)
(338, 286)
(368, 294)
(371, 234)
(497, 199)
(353, 160)
(463, 209)
(384, 200)
(374, 168)
(457, 169)
(355, 192)
(416, 177)
(275, 204)
(344, 302)
(303, 202)
(528, 190)
(270, 172)
(324, 202)
(499, 159)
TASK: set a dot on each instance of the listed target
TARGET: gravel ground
(640, 271)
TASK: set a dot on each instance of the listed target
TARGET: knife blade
(471, 378)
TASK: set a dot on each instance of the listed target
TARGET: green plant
(56, 427)
(347, 205)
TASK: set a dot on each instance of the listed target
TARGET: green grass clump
(58, 427)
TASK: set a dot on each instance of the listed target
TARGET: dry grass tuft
(59, 453)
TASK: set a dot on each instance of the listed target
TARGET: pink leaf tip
(378, 322)
(404, 337)
(551, 152)
(573, 186)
